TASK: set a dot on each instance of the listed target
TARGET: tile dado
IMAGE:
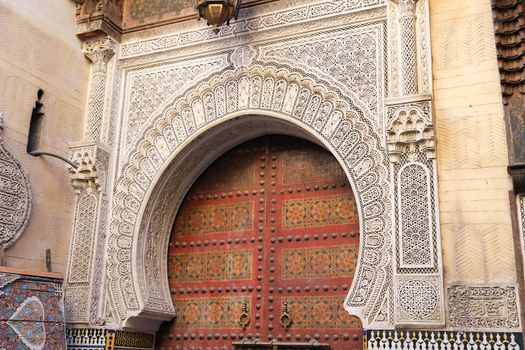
(31, 312)
(107, 339)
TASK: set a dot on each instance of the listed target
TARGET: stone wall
(472, 157)
(472, 153)
(39, 50)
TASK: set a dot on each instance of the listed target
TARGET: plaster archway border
(210, 118)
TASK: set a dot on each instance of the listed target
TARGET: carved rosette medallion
(15, 196)
(418, 299)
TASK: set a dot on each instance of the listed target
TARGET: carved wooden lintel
(517, 172)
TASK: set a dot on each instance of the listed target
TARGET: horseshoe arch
(229, 108)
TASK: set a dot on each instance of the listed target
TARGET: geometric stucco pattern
(15, 196)
(418, 270)
(88, 181)
(358, 63)
(327, 113)
(266, 21)
(150, 88)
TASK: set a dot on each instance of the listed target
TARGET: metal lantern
(218, 12)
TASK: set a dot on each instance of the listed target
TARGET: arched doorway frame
(229, 108)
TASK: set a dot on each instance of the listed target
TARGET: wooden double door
(264, 247)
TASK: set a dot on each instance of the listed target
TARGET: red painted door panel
(269, 230)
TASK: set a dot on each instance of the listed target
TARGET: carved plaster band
(483, 307)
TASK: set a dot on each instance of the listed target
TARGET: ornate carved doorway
(264, 247)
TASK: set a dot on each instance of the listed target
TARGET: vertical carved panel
(410, 141)
(83, 284)
(408, 57)
(418, 281)
(415, 217)
(82, 245)
(84, 301)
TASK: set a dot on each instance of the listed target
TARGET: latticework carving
(89, 182)
(418, 298)
(409, 71)
(411, 146)
(415, 217)
(352, 55)
(82, 247)
(151, 88)
(75, 303)
(410, 141)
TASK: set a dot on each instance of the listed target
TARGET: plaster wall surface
(471, 145)
(39, 50)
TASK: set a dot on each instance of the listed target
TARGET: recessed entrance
(264, 247)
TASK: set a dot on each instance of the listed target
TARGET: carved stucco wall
(177, 97)
(40, 50)
(472, 154)
(240, 75)
(231, 94)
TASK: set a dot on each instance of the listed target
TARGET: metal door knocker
(244, 318)
(285, 319)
